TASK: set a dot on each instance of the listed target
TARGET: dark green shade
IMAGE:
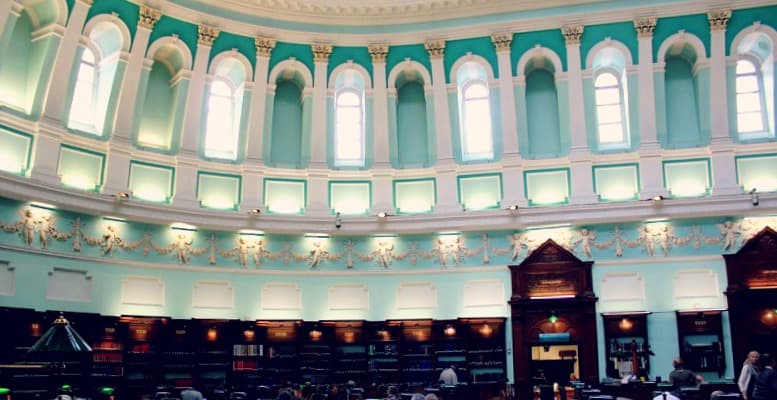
(60, 338)
(107, 390)
(4, 390)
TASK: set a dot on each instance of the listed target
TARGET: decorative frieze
(502, 40)
(264, 46)
(436, 48)
(206, 35)
(321, 52)
(645, 26)
(572, 33)
(378, 52)
(719, 19)
(148, 17)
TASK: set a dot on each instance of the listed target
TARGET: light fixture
(315, 334)
(512, 208)
(249, 334)
(553, 317)
(450, 330)
(626, 324)
(383, 215)
(486, 330)
(123, 196)
(254, 211)
(212, 334)
(338, 220)
(657, 197)
(754, 197)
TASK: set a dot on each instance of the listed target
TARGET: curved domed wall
(449, 148)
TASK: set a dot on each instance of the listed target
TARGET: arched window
(474, 113)
(749, 89)
(82, 111)
(224, 110)
(610, 110)
(349, 128)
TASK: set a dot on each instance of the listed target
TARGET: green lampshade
(107, 390)
(60, 338)
(4, 391)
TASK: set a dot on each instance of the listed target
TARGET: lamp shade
(60, 338)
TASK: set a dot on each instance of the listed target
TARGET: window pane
(476, 91)
(748, 83)
(608, 96)
(611, 133)
(608, 114)
(745, 66)
(748, 102)
(750, 122)
(348, 99)
(606, 79)
(477, 137)
(220, 88)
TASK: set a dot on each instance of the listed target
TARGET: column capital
(502, 40)
(378, 52)
(436, 48)
(719, 19)
(321, 52)
(148, 17)
(206, 35)
(645, 26)
(572, 33)
(264, 46)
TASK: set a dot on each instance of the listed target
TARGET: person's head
(766, 360)
(284, 395)
(677, 362)
(752, 357)
(431, 396)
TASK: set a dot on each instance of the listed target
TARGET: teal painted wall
(552, 39)
(623, 32)
(682, 115)
(15, 62)
(412, 136)
(158, 106)
(415, 52)
(481, 46)
(696, 24)
(542, 115)
(283, 51)
(128, 12)
(167, 26)
(342, 54)
(741, 19)
(286, 133)
(244, 45)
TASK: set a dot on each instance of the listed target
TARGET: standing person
(766, 382)
(448, 376)
(747, 377)
(682, 377)
(191, 394)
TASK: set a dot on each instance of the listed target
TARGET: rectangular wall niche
(142, 291)
(687, 178)
(415, 195)
(480, 192)
(350, 197)
(547, 187)
(69, 285)
(81, 169)
(15, 150)
(213, 294)
(285, 196)
(696, 284)
(414, 296)
(484, 293)
(151, 182)
(281, 296)
(218, 191)
(757, 172)
(349, 297)
(7, 279)
(616, 182)
(625, 291)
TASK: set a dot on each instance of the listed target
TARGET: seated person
(191, 393)
(448, 376)
(681, 377)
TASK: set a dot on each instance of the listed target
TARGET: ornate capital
(148, 17)
(321, 52)
(719, 19)
(502, 40)
(436, 48)
(207, 34)
(264, 46)
(572, 33)
(378, 52)
(645, 26)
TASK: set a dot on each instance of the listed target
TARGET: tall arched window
(349, 128)
(749, 90)
(224, 110)
(82, 111)
(474, 113)
(610, 110)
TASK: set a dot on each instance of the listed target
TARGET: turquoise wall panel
(415, 52)
(343, 54)
(286, 142)
(757, 172)
(14, 72)
(525, 41)
(696, 24)
(283, 51)
(43, 53)
(128, 12)
(243, 44)
(481, 46)
(411, 118)
(623, 32)
(155, 129)
(167, 26)
(542, 116)
(15, 150)
(682, 115)
(741, 19)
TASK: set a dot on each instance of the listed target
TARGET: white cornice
(457, 30)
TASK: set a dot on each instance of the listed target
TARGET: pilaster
(378, 52)
(436, 51)
(647, 94)
(502, 42)
(193, 115)
(45, 163)
(264, 48)
(319, 121)
(718, 91)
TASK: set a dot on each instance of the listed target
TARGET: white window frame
(758, 75)
(233, 130)
(464, 111)
(341, 139)
(624, 131)
(77, 107)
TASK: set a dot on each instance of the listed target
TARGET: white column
(380, 109)
(318, 143)
(264, 47)
(718, 90)
(436, 50)
(57, 96)
(647, 92)
(137, 58)
(502, 43)
(721, 146)
(579, 155)
(193, 114)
